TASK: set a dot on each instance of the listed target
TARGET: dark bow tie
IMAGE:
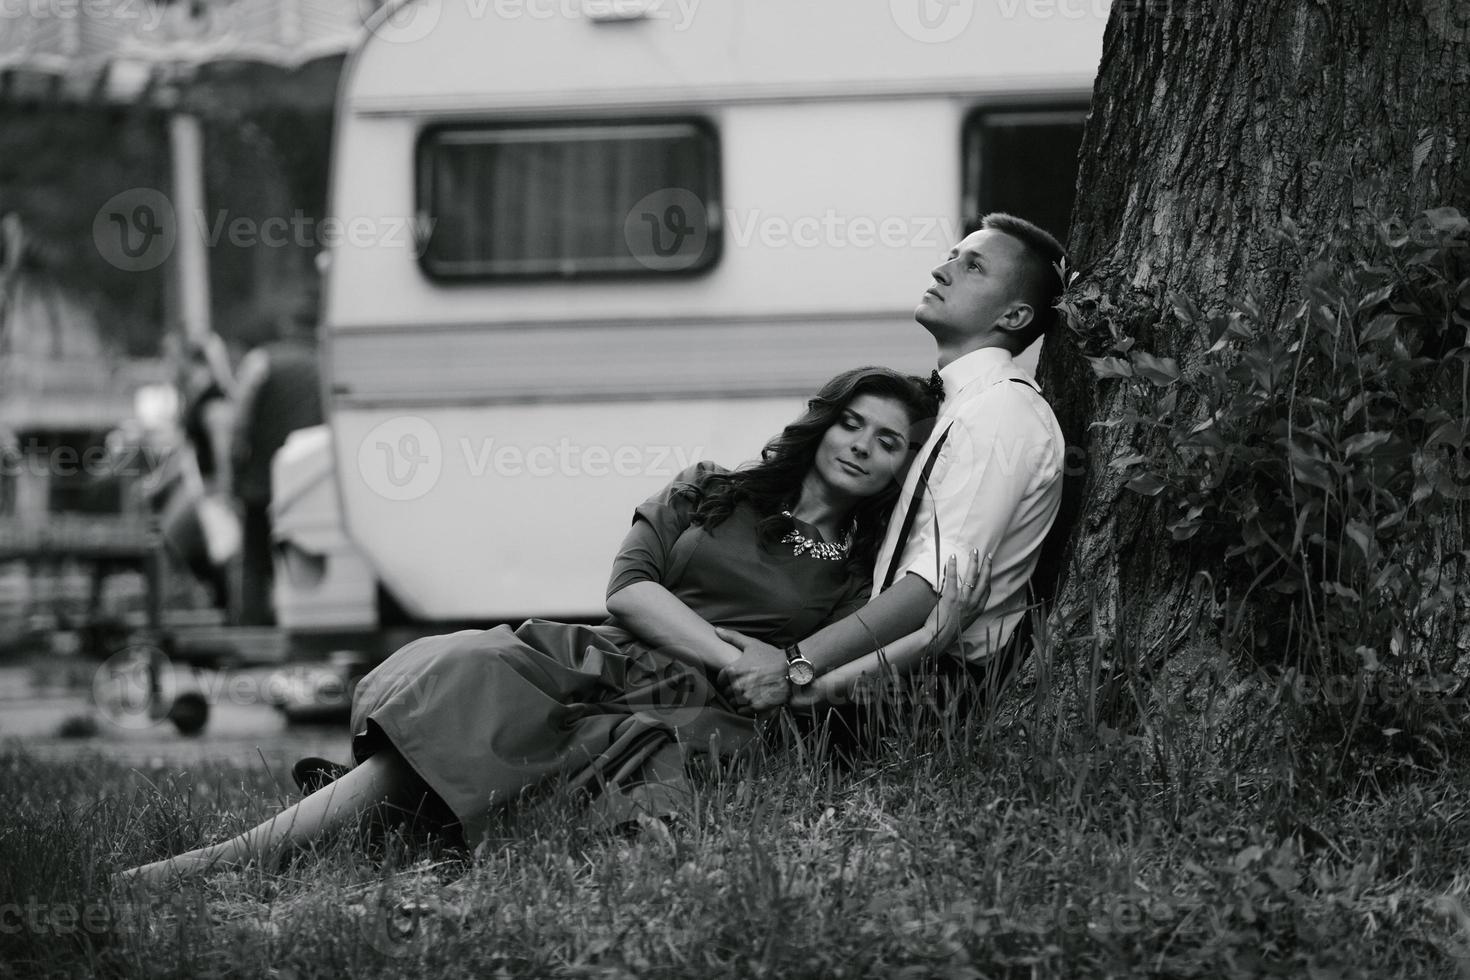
(936, 385)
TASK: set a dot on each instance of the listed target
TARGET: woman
(471, 720)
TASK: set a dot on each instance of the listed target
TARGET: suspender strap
(920, 488)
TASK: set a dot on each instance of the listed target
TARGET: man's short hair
(1042, 253)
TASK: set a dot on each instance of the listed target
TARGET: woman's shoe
(313, 772)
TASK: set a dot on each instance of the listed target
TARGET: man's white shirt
(996, 486)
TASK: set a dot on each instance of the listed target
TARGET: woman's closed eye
(890, 443)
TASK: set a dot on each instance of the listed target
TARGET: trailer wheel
(189, 713)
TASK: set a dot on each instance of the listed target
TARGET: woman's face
(867, 447)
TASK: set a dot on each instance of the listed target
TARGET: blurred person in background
(277, 392)
(198, 522)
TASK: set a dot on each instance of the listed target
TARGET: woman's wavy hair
(773, 484)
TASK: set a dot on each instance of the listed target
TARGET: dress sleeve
(657, 524)
(856, 594)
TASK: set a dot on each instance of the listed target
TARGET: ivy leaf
(1189, 525)
(1184, 530)
(1162, 371)
(1110, 367)
(1146, 484)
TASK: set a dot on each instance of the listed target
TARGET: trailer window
(1023, 161)
(566, 200)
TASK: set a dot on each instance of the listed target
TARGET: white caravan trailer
(587, 242)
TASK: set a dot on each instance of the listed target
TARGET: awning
(121, 48)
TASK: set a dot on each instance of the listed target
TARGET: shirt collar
(974, 366)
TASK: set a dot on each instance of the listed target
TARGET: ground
(1037, 846)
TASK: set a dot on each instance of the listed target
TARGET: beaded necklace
(825, 550)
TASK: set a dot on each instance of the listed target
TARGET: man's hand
(758, 678)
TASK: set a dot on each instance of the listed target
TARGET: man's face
(982, 279)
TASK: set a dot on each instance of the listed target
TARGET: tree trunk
(1211, 124)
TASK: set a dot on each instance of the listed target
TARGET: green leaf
(1110, 367)
(1392, 519)
(1377, 296)
(1205, 437)
(1189, 524)
(1162, 371)
(1364, 443)
(1388, 577)
(1368, 656)
(1448, 221)
(1450, 433)
(1123, 418)
(1379, 328)
(1248, 856)
(1184, 308)
(1309, 469)
(1123, 462)
(1302, 517)
(1284, 878)
(1362, 536)
(1146, 484)
(1421, 152)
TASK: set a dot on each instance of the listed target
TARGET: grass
(1044, 844)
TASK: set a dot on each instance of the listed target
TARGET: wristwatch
(799, 670)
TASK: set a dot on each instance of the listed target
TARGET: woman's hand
(961, 601)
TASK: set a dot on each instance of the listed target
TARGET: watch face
(800, 672)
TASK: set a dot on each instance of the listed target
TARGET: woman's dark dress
(482, 715)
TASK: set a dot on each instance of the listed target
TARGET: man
(279, 391)
(988, 477)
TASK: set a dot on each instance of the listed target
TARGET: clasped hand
(757, 679)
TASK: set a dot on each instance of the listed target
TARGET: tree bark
(1212, 123)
